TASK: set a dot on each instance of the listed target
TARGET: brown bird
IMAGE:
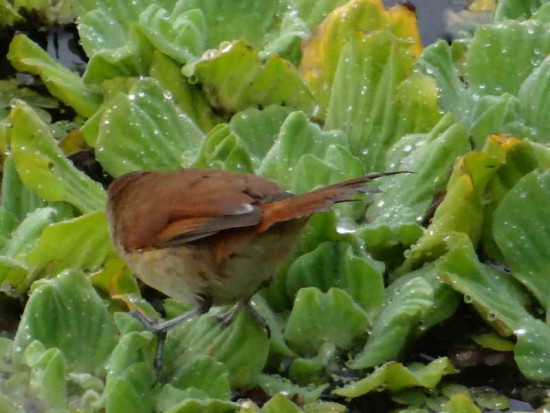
(211, 237)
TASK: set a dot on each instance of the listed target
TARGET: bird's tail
(319, 200)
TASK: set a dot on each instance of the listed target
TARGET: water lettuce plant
(305, 93)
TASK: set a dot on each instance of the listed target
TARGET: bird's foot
(230, 315)
(149, 323)
(225, 319)
(160, 330)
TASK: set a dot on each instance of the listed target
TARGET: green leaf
(402, 312)
(497, 114)
(66, 313)
(522, 230)
(383, 105)
(132, 349)
(277, 384)
(297, 137)
(386, 242)
(99, 30)
(500, 300)
(460, 211)
(314, 12)
(280, 404)
(25, 55)
(114, 49)
(543, 13)
(80, 243)
(337, 165)
(8, 16)
(25, 237)
(204, 406)
(461, 403)
(48, 374)
(180, 34)
(395, 376)
(8, 222)
(242, 347)
(61, 13)
(286, 37)
(192, 405)
(221, 149)
(7, 404)
(330, 317)
(20, 201)
(490, 399)
(532, 349)
(131, 390)
(169, 396)
(445, 303)
(493, 342)
(437, 61)
(203, 373)
(491, 289)
(130, 377)
(44, 169)
(125, 12)
(414, 398)
(406, 198)
(334, 264)
(275, 322)
(480, 114)
(144, 130)
(258, 129)
(520, 157)
(188, 97)
(13, 276)
(316, 370)
(234, 79)
(324, 407)
(497, 46)
(534, 101)
(11, 89)
(516, 9)
(321, 228)
(6, 347)
(249, 20)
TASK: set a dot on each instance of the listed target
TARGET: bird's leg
(159, 355)
(161, 329)
(229, 316)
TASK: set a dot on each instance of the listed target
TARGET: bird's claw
(225, 319)
(149, 323)
(160, 329)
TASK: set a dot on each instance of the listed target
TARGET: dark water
(431, 16)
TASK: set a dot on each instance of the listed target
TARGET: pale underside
(192, 273)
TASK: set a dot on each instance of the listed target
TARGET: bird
(210, 237)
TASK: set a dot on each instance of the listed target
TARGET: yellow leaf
(482, 5)
(321, 52)
(403, 24)
(72, 143)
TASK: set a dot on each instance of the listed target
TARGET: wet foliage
(432, 295)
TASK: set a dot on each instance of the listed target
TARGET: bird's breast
(183, 273)
(220, 269)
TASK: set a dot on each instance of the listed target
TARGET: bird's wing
(205, 202)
